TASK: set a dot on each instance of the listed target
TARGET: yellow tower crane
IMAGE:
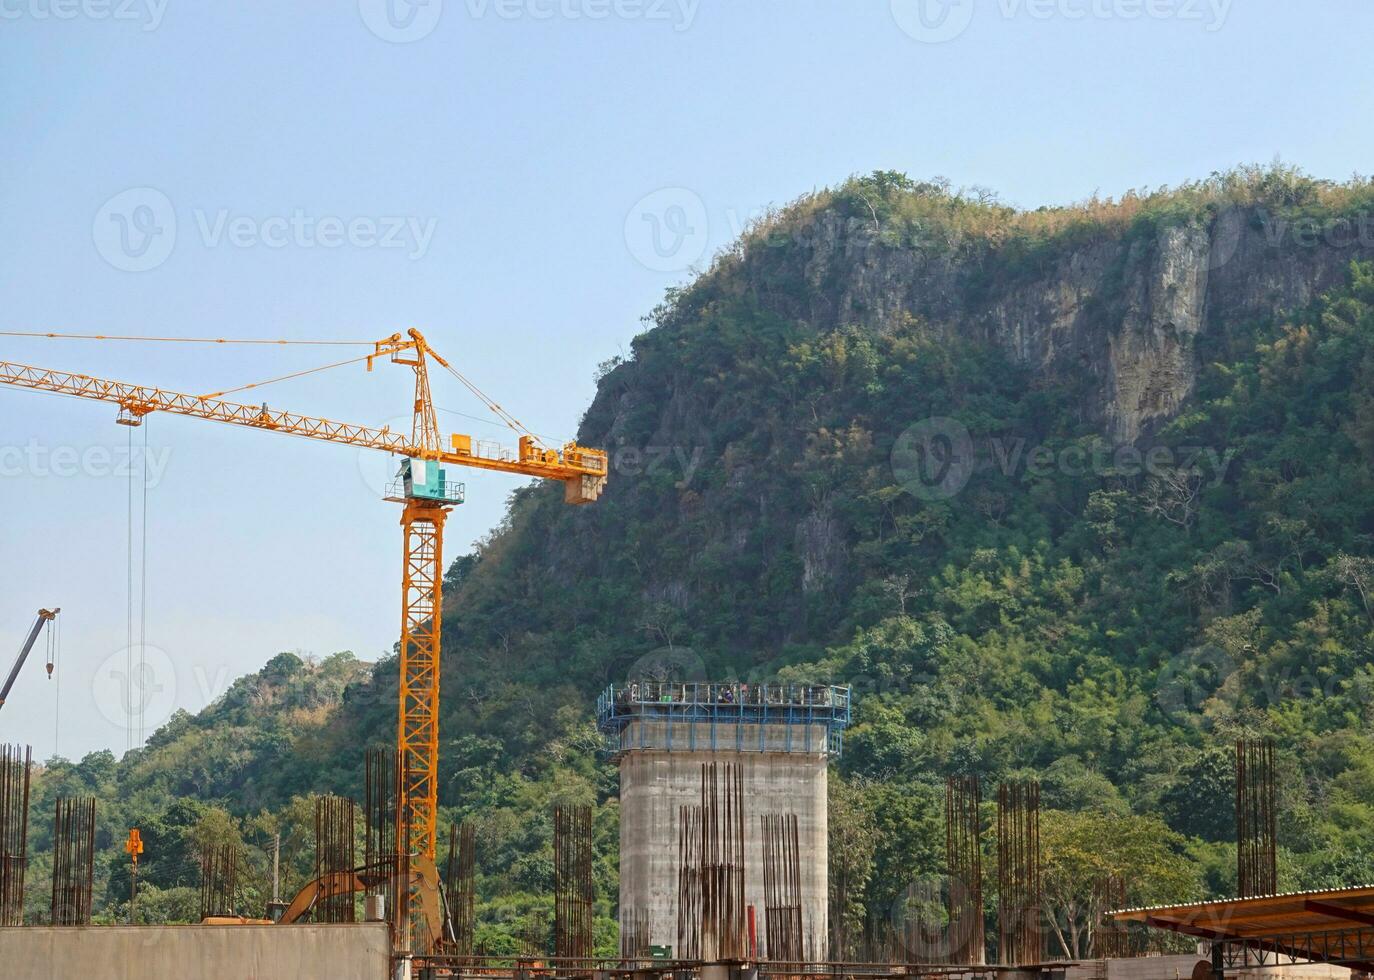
(424, 491)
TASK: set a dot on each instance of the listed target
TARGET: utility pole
(276, 868)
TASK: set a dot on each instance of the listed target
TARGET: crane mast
(426, 496)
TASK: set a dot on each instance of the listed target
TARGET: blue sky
(521, 179)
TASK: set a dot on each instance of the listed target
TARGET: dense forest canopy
(813, 484)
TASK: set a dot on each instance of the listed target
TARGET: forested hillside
(1079, 494)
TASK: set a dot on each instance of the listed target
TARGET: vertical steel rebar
(536, 929)
(712, 922)
(1256, 830)
(964, 869)
(219, 867)
(1110, 939)
(14, 831)
(460, 885)
(689, 839)
(73, 861)
(1018, 872)
(636, 933)
(381, 847)
(783, 927)
(572, 882)
(334, 853)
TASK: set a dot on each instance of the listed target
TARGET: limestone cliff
(1120, 309)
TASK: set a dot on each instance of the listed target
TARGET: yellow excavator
(424, 889)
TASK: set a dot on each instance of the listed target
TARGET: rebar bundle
(925, 932)
(536, 934)
(461, 888)
(572, 881)
(1018, 872)
(964, 867)
(334, 853)
(636, 933)
(73, 861)
(689, 883)
(881, 938)
(382, 851)
(1256, 834)
(381, 787)
(1110, 939)
(711, 909)
(782, 906)
(219, 874)
(14, 831)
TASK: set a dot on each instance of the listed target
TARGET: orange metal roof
(1335, 925)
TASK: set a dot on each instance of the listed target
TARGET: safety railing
(692, 716)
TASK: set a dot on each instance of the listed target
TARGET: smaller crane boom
(45, 616)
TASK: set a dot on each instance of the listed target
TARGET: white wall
(301, 952)
(654, 785)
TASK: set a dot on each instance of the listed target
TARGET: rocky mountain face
(728, 444)
(1123, 310)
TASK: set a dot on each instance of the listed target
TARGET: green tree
(1081, 852)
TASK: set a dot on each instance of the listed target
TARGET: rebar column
(1256, 832)
(15, 770)
(334, 854)
(712, 923)
(572, 881)
(964, 869)
(782, 887)
(381, 845)
(1018, 872)
(219, 867)
(636, 933)
(73, 862)
(1110, 939)
(460, 884)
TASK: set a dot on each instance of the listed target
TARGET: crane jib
(572, 462)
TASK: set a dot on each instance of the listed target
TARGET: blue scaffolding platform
(669, 717)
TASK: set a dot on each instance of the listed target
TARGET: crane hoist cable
(143, 593)
(54, 654)
(128, 700)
